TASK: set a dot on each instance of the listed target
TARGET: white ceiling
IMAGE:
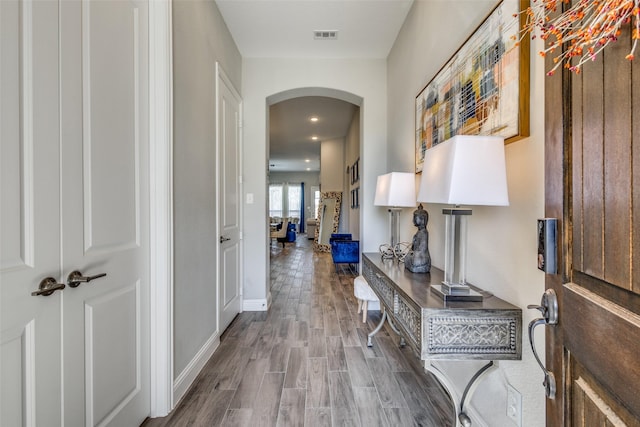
(291, 147)
(285, 29)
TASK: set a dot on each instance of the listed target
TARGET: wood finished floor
(305, 362)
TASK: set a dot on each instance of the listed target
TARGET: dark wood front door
(592, 169)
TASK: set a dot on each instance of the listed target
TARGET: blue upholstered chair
(344, 250)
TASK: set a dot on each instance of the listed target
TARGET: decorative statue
(418, 259)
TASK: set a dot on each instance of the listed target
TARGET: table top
(417, 287)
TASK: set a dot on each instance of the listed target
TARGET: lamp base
(443, 292)
(455, 288)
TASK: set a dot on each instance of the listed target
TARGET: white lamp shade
(396, 189)
(465, 170)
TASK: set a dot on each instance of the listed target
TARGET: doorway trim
(161, 206)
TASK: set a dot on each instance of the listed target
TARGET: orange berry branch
(587, 27)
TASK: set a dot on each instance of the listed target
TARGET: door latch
(549, 309)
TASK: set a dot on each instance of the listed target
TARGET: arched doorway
(313, 140)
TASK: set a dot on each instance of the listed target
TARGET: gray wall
(200, 38)
(359, 81)
(501, 240)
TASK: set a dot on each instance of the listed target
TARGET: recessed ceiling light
(308, 169)
(314, 138)
(307, 160)
(314, 119)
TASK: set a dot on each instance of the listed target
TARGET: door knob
(75, 278)
(224, 239)
(47, 287)
(549, 309)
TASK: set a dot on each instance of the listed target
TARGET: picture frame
(483, 89)
(355, 171)
(355, 198)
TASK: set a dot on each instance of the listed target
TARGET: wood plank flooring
(305, 362)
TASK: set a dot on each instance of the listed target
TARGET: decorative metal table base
(380, 325)
(463, 419)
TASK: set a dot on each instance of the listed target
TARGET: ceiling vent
(325, 35)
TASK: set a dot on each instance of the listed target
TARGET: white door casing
(30, 338)
(229, 196)
(74, 197)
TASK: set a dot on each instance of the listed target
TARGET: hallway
(306, 361)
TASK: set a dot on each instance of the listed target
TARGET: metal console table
(437, 330)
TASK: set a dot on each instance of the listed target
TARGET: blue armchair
(344, 250)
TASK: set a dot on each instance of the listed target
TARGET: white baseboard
(256, 304)
(189, 374)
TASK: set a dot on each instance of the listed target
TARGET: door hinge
(240, 235)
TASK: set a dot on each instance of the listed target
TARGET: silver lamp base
(455, 288)
(445, 292)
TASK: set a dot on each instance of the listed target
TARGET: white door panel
(105, 161)
(229, 200)
(112, 327)
(111, 123)
(29, 214)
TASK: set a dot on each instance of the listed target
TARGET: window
(275, 200)
(316, 200)
(294, 200)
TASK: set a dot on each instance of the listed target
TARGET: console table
(437, 330)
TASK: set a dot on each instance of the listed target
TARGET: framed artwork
(483, 89)
(355, 198)
(355, 172)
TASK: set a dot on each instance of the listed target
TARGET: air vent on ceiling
(325, 35)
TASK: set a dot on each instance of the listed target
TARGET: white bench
(365, 296)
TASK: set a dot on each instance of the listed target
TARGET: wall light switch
(249, 198)
(514, 405)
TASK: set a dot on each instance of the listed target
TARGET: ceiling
(286, 29)
(291, 147)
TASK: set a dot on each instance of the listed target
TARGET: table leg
(402, 341)
(462, 419)
(377, 329)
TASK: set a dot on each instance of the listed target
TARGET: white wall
(332, 165)
(351, 154)
(502, 240)
(332, 175)
(200, 39)
(350, 80)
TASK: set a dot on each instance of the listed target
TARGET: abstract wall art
(483, 89)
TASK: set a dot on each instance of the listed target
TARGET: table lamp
(395, 190)
(464, 170)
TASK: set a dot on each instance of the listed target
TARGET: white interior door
(229, 199)
(30, 337)
(74, 196)
(105, 211)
